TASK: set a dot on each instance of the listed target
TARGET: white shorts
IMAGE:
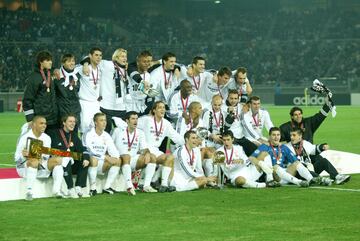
(155, 151)
(183, 184)
(43, 172)
(88, 110)
(249, 173)
(133, 162)
(100, 167)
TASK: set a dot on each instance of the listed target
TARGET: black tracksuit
(76, 168)
(37, 101)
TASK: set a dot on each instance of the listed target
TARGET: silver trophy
(218, 160)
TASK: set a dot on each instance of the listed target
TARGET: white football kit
(254, 123)
(165, 82)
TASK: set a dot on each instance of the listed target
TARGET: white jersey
(237, 127)
(178, 105)
(136, 92)
(254, 124)
(136, 140)
(210, 88)
(155, 133)
(23, 144)
(188, 164)
(236, 153)
(308, 149)
(99, 145)
(215, 120)
(164, 82)
(182, 127)
(197, 81)
(110, 99)
(241, 89)
(90, 84)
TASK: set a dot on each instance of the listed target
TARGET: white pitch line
(7, 165)
(6, 153)
(336, 189)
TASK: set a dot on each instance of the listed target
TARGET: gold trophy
(218, 160)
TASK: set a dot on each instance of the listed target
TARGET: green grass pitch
(287, 213)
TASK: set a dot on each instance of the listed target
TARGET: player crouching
(241, 170)
(188, 172)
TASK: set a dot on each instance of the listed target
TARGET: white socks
(126, 170)
(57, 174)
(252, 184)
(157, 174)
(165, 176)
(286, 176)
(208, 167)
(31, 174)
(304, 172)
(149, 172)
(113, 171)
(92, 171)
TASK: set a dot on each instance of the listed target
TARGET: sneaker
(273, 184)
(341, 178)
(155, 185)
(316, 180)
(93, 192)
(108, 191)
(325, 181)
(113, 190)
(149, 189)
(79, 191)
(73, 194)
(131, 191)
(171, 189)
(163, 189)
(29, 196)
(59, 195)
(304, 184)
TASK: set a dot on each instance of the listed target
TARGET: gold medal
(71, 88)
(48, 89)
(71, 144)
(68, 149)
(129, 149)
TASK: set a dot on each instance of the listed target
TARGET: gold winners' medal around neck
(71, 144)
(71, 87)
(48, 89)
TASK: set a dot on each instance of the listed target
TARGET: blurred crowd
(279, 47)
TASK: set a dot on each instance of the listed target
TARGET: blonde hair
(117, 52)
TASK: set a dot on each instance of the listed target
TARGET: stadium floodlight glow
(217, 2)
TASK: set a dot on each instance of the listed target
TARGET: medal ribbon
(67, 144)
(229, 160)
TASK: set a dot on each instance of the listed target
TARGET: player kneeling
(188, 172)
(241, 170)
(31, 168)
(130, 142)
(104, 157)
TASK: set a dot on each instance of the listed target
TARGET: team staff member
(39, 95)
(67, 88)
(66, 140)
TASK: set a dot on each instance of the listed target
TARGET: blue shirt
(286, 157)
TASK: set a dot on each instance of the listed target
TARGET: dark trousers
(78, 170)
(322, 164)
(248, 146)
(109, 115)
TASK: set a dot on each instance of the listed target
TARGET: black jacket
(308, 124)
(67, 99)
(37, 101)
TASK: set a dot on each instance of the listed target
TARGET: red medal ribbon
(184, 105)
(67, 144)
(299, 150)
(257, 122)
(219, 91)
(97, 75)
(216, 120)
(196, 83)
(229, 160)
(190, 156)
(278, 155)
(167, 81)
(46, 80)
(158, 132)
(128, 138)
